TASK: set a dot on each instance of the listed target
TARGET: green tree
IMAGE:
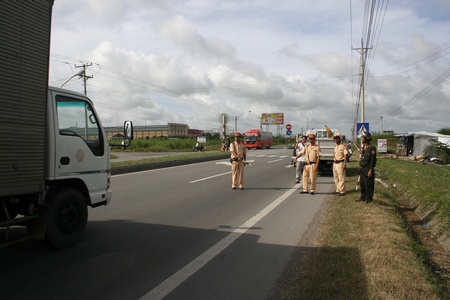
(443, 150)
(445, 131)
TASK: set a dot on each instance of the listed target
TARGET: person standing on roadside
(300, 161)
(312, 158)
(340, 157)
(226, 144)
(367, 170)
(238, 157)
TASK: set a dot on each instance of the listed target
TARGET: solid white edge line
(171, 283)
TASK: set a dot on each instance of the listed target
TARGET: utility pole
(381, 121)
(362, 51)
(85, 77)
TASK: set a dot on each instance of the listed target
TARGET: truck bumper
(103, 199)
(108, 196)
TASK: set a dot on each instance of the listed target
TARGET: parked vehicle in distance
(258, 139)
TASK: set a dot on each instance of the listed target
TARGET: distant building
(385, 132)
(171, 130)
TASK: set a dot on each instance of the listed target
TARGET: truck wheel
(66, 219)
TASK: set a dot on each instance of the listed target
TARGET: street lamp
(236, 118)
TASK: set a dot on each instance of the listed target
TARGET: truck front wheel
(66, 218)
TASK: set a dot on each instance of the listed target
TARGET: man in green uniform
(367, 171)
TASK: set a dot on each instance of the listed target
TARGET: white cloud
(188, 61)
(185, 35)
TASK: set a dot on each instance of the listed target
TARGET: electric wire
(420, 94)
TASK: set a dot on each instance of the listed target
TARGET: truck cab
(77, 143)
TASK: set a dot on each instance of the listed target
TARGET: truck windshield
(76, 118)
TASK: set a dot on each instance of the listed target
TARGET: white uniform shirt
(300, 148)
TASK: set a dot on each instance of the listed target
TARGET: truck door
(80, 147)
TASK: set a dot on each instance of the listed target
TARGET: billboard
(382, 145)
(272, 119)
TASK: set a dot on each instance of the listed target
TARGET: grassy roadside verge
(371, 251)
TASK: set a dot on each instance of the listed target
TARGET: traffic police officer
(312, 159)
(340, 157)
(367, 171)
(238, 157)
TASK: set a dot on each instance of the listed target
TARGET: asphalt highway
(178, 233)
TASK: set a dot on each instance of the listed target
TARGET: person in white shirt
(300, 160)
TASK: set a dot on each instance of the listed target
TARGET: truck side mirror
(127, 133)
(128, 130)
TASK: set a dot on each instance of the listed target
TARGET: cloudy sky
(169, 61)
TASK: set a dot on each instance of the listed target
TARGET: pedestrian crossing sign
(361, 128)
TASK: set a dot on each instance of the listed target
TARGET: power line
(420, 63)
(372, 24)
(422, 92)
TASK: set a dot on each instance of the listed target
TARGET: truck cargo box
(23, 94)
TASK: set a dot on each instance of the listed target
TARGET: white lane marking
(209, 177)
(213, 176)
(229, 164)
(159, 169)
(171, 283)
(272, 156)
(269, 162)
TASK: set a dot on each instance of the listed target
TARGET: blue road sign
(361, 127)
(288, 132)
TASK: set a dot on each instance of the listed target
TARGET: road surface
(177, 233)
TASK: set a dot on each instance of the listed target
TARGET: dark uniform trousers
(366, 183)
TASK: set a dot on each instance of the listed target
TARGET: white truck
(54, 153)
(326, 143)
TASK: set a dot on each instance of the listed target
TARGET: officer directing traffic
(340, 157)
(238, 156)
(367, 171)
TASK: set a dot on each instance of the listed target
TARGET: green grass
(166, 145)
(417, 184)
(368, 251)
(178, 145)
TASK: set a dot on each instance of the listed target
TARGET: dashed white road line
(209, 177)
(272, 161)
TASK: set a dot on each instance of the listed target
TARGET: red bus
(258, 139)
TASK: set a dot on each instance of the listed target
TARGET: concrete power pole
(362, 51)
(85, 77)
(381, 122)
